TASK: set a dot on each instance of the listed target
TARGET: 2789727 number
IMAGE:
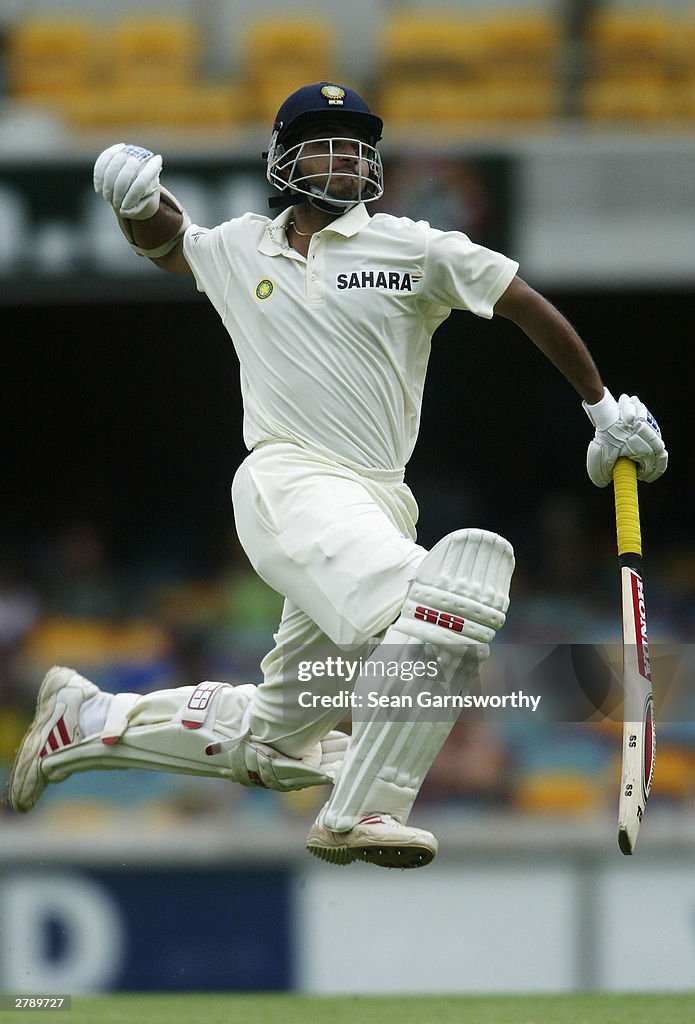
(26, 1002)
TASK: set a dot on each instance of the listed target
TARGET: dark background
(129, 414)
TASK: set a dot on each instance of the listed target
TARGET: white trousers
(340, 547)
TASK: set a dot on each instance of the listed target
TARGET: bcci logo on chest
(264, 288)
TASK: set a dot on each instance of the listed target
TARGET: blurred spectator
(563, 591)
(249, 612)
(77, 577)
(474, 767)
(19, 611)
(220, 624)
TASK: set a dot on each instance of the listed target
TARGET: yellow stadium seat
(558, 793)
(63, 641)
(154, 50)
(424, 43)
(683, 90)
(674, 773)
(50, 58)
(413, 101)
(445, 68)
(683, 98)
(281, 55)
(460, 105)
(520, 45)
(516, 101)
(57, 641)
(177, 107)
(135, 71)
(150, 77)
(622, 42)
(426, 61)
(634, 100)
(630, 67)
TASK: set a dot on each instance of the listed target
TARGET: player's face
(331, 160)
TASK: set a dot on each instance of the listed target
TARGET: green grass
(198, 1008)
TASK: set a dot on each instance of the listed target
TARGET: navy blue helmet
(347, 119)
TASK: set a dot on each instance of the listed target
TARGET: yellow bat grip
(627, 507)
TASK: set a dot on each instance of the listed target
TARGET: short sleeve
(204, 252)
(460, 274)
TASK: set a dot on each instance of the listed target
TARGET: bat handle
(627, 520)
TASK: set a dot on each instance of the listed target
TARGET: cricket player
(331, 312)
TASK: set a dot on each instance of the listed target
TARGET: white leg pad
(199, 730)
(453, 608)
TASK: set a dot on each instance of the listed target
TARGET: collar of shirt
(347, 225)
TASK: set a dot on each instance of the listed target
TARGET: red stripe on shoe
(58, 737)
(63, 732)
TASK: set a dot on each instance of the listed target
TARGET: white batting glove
(128, 177)
(625, 427)
(256, 764)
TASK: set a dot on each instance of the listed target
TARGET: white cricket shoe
(377, 839)
(55, 726)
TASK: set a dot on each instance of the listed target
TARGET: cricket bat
(639, 734)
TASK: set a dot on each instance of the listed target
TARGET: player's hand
(259, 764)
(333, 748)
(625, 427)
(127, 176)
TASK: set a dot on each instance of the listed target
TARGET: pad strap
(166, 247)
(117, 718)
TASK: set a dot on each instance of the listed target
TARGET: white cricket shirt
(333, 349)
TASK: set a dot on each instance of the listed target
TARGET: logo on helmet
(334, 94)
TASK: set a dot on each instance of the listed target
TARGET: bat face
(639, 734)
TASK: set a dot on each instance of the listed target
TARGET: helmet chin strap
(319, 202)
(282, 202)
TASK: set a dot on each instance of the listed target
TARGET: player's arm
(623, 427)
(553, 335)
(150, 217)
(155, 232)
